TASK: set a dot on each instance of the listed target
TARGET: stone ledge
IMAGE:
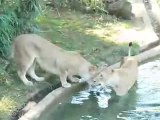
(53, 98)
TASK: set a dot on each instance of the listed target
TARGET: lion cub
(121, 79)
(29, 49)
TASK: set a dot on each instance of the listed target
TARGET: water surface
(141, 103)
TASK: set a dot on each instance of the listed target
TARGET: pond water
(141, 103)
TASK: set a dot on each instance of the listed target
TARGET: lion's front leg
(63, 79)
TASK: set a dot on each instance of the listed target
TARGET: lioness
(121, 79)
(29, 49)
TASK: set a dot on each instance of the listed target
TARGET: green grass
(12, 95)
(93, 37)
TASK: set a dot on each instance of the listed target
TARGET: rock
(119, 8)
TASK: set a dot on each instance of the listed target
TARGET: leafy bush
(16, 17)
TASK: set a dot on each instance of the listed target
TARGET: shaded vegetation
(16, 17)
(85, 6)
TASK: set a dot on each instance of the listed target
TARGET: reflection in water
(141, 103)
(102, 96)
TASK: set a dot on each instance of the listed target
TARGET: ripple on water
(140, 115)
(80, 97)
(102, 96)
(88, 117)
(149, 84)
(147, 105)
(142, 103)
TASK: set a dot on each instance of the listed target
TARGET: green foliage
(7, 31)
(16, 17)
(93, 4)
(80, 5)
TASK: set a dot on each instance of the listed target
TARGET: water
(141, 103)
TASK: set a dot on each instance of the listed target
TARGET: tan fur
(121, 79)
(29, 49)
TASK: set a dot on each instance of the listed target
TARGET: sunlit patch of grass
(95, 39)
(110, 30)
(126, 24)
(106, 28)
(12, 95)
(107, 33)
(7, 104)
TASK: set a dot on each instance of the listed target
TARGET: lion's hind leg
(23, 66)
(32, 74)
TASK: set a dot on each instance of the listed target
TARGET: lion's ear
(92, 68)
